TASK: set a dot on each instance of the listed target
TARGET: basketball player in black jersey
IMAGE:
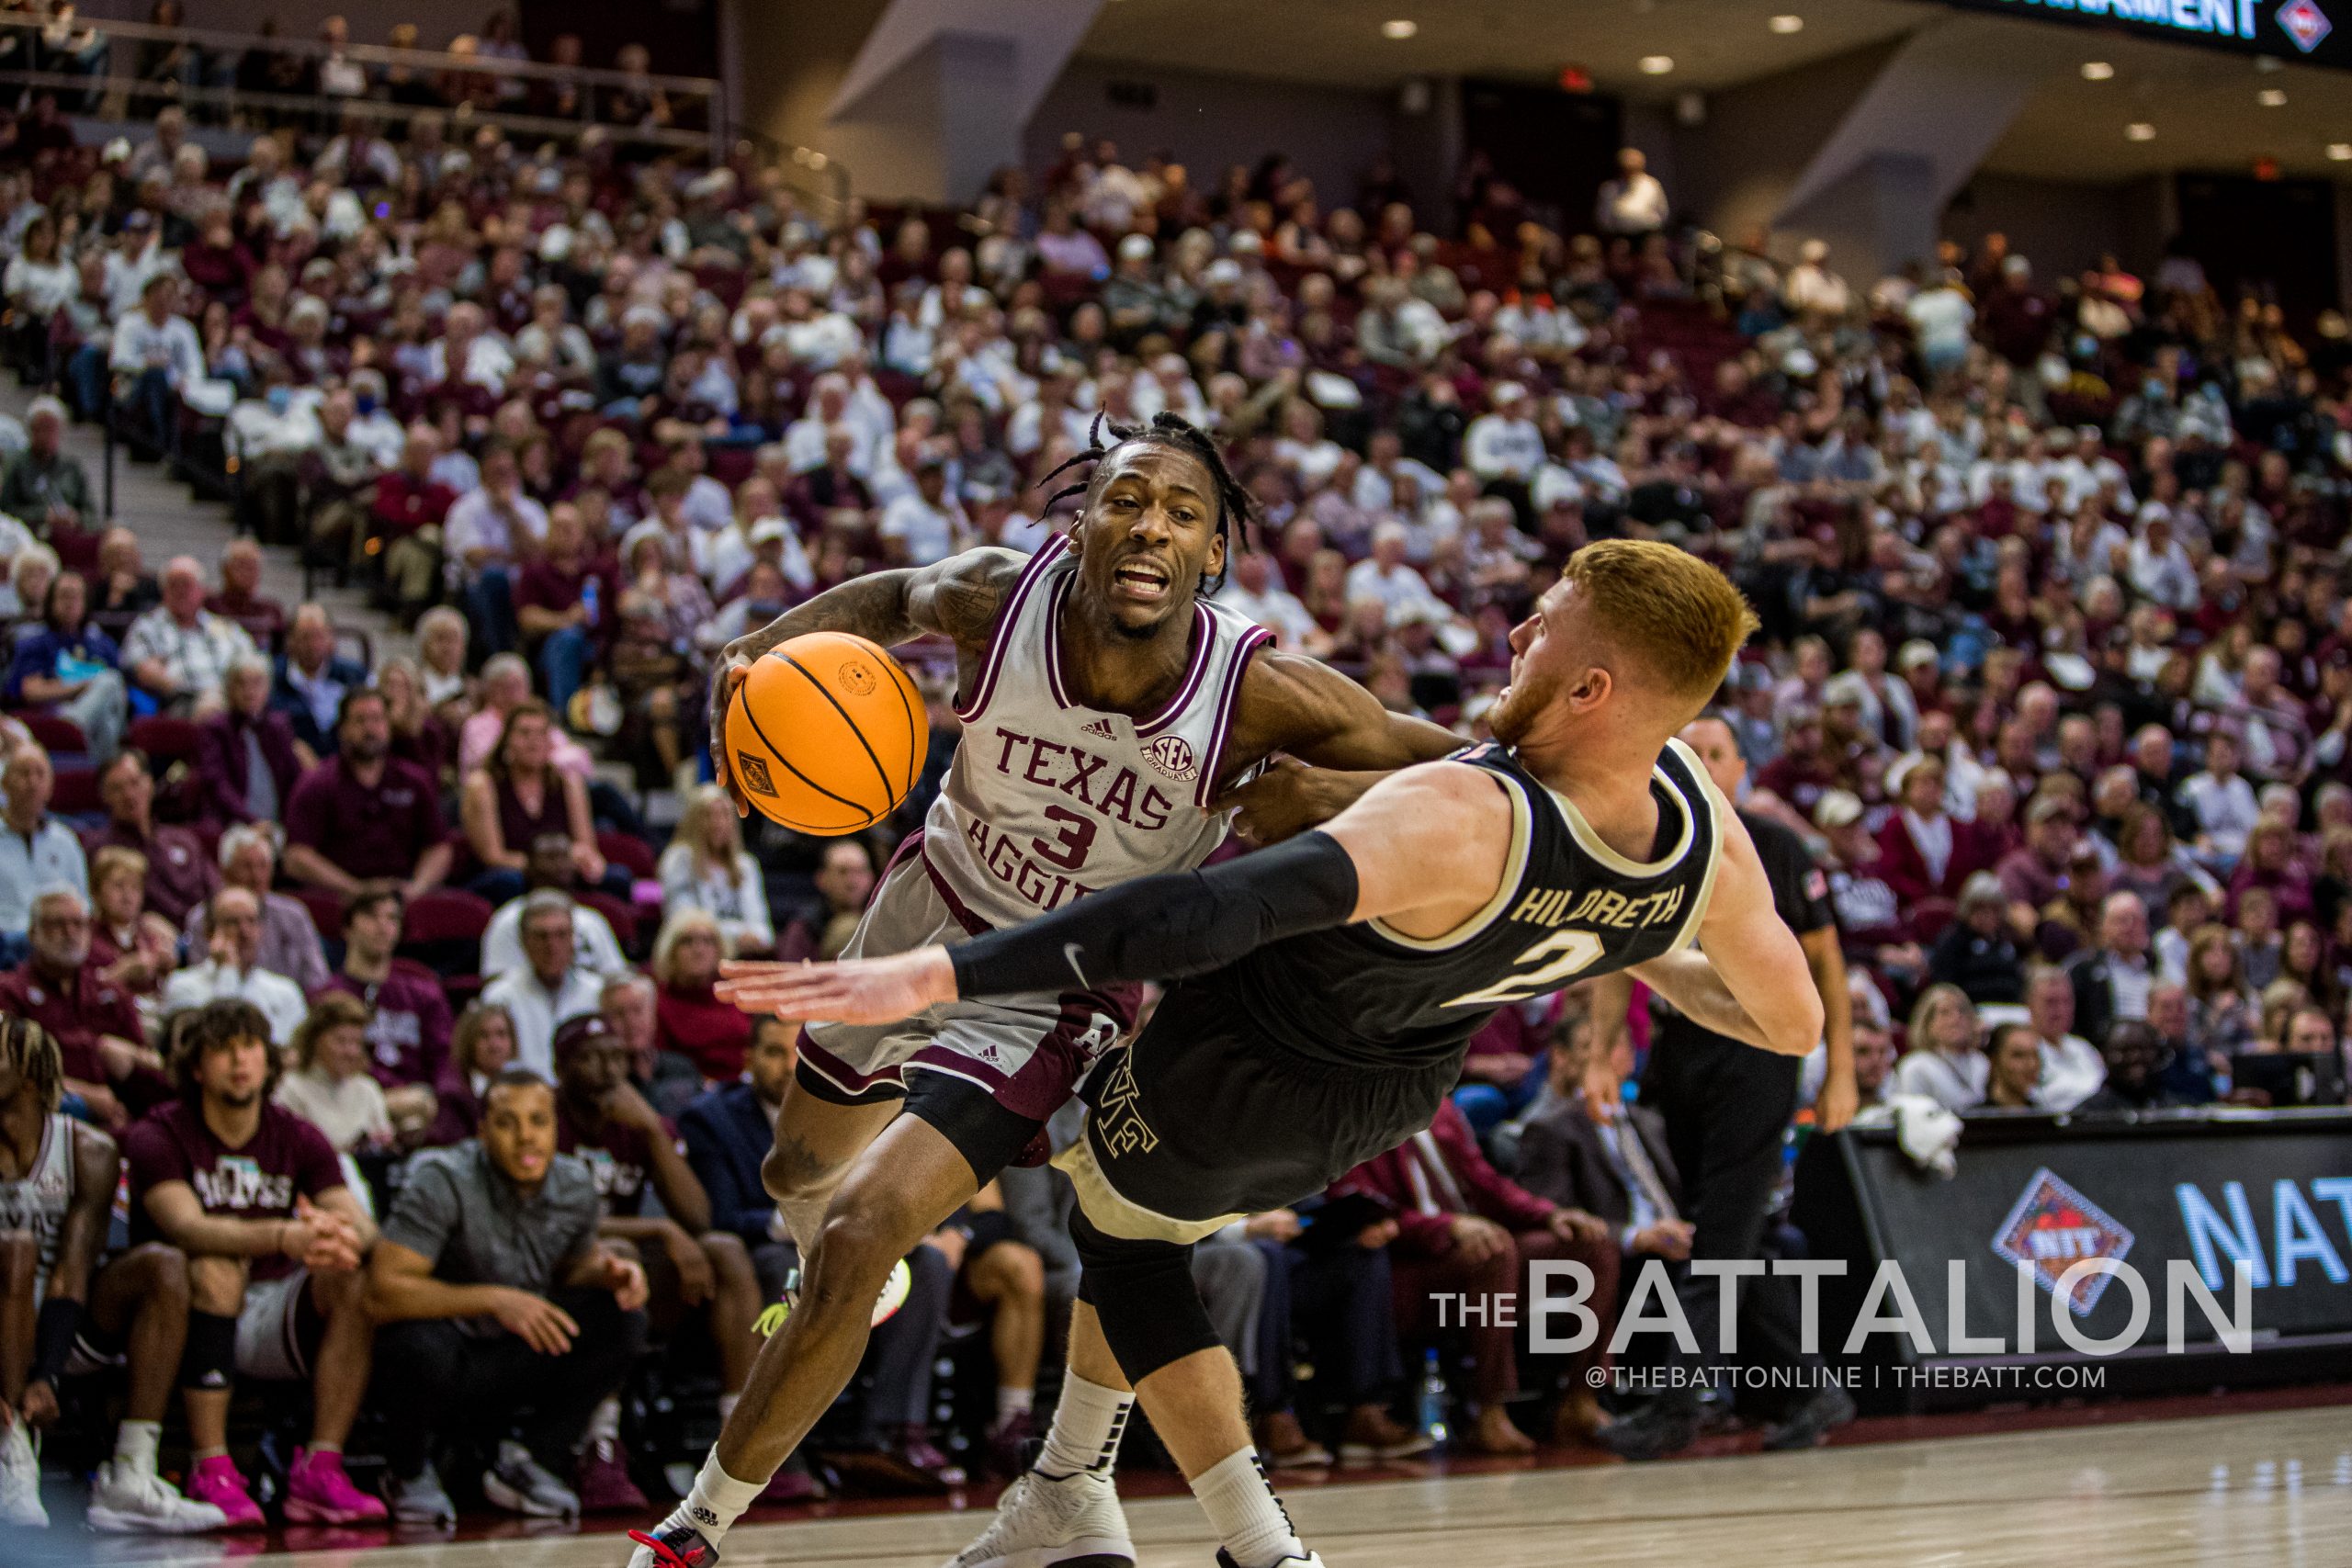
(1326, 988)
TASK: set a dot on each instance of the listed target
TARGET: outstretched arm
(957, 597)
(1748, 978)
(1297, 711)
(1426, 849)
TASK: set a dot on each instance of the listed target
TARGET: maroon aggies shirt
(286, 1157)
(618, 1157)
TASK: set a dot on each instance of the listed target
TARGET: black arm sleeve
(53, 1331)
(1163, 928)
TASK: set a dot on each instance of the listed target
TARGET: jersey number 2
(1067, 848)
(1567, 952)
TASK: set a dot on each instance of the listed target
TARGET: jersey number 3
(1559, 957)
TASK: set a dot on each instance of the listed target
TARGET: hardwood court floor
(2272, 1489)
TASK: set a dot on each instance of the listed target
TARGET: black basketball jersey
(1571, 907)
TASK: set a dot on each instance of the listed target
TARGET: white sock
(605, 1423)
(1010, 1402)
(1245, 1513)
(715, 1502)
(727, 1404)
(1087, 1425)
(134, 1446)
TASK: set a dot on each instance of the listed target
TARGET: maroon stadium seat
(61, 737)
(629, 854)
(164, 740)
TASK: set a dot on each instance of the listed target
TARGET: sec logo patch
(1172, 755)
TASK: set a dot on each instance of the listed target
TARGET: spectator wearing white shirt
(805, 438)
(1504, 444)
(1258, 592)
(547, 987)
(1812, 288)
(1634, 204)
(38, 852)
(1385, 578)
(137, 260)
(705, 867)
(1376, 488)
(487, 533)
(926, 525)
(232, 968)
(469, 351)
(2221, 802)
(159, 350)
(1942, 1060)
(594, 946)
(2160, 569)
(179, 653)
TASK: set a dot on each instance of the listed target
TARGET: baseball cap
(1135, 247)
(1224, 269)
(1836, 808)
(1844, 689)
(1915, 652)
(574, 1032)
(768, 528)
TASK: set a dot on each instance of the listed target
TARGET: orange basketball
(826, 734)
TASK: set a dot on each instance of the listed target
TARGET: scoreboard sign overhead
(2292, 29)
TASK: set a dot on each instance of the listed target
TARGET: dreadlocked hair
(32, 1052)
(1177, 433)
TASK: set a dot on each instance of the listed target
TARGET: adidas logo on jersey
(1102, 727)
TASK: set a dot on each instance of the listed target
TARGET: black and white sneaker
(1312, 1560)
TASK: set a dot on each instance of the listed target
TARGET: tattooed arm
(956, 598)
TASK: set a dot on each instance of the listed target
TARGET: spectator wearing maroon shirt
(1464, 1227)
(691, 1019)
(2034, 875)
(362, 815)
(1925, 852)
(274, 1240)
(832, 497)
(562, 603)
(180, 876)
(1804, 770)
(94, 1022)
(602, 1118)
(2016, 319)
(408, 1020)
(240, 597)
(247, 760)
(408, 512)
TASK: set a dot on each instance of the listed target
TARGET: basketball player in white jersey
(1109, 710)
(57, 1182)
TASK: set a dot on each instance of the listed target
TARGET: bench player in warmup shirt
(1109, 710)
(57, 1182)
(255, 1198)
(1327, 989)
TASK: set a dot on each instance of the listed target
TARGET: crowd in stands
(373, 976)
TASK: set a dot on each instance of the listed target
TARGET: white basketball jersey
(35, 1204)
(1046, 799)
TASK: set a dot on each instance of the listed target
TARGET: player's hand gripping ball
(826, 734)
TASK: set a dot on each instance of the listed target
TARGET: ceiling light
(1657, 64)
(1400, 30)
(2096, 71)
(2139, 131)
(2271, 98)
(1786, 23)
(2340, 151)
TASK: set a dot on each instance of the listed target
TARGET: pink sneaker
(216, 1480)
(604, 1483)
(318, 1493)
